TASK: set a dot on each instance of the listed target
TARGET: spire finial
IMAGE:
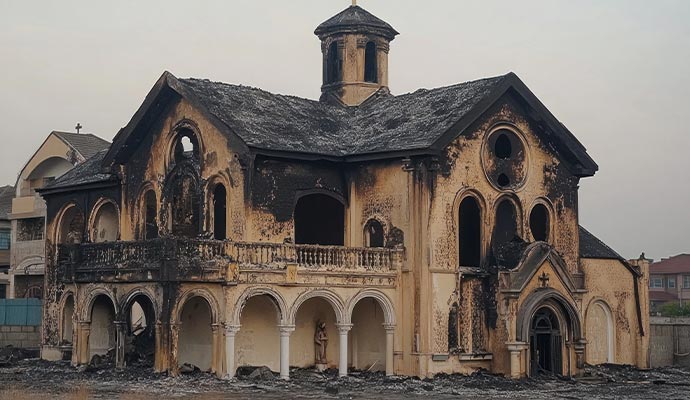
(354, 3)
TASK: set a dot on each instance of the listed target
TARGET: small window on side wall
(373, 234)
(219, 212)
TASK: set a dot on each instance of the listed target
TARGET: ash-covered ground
(36, 379)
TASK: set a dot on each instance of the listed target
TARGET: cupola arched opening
(370, 63)
(334, 64)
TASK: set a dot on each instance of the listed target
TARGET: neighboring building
(430, 232)
(669, 281)
(6, 195)
(59, 153)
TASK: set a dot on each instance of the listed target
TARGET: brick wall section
(25, 337)
(669, 342)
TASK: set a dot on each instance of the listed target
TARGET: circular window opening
(503, 180)
(503, 148)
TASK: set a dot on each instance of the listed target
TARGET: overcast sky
(617, 73)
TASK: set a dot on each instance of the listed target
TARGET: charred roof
(419, 123)
(355, 19)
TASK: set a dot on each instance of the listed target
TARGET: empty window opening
(185, 210)
(469, 233)
(370, 63)
(503, 180)
(187, 146)
(102, 334)
(195, 342)
(150, 214)
(319, 219)
(539, 223)
(106, 225)
(71, 227)
(219, 212)
(368, 337)
(334, 64)
(258, 330)
(373, 234)
(503, 148)
(505, 229)
(67, 321)
(140, 346)
(30, 229)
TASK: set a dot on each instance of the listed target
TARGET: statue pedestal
(320, 367)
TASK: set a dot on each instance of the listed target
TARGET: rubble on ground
(607, 381)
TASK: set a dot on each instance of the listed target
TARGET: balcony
(189, 260)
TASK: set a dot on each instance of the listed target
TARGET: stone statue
(321, 341)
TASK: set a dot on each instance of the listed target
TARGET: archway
(71, 228)
(600, 334)
(102, 336)
(66, 335)
(140, 340)
(546, 343)
(319, 219)
(309, 315)
(368, 336)
(105, 225)
(373, 234)
(258, 341)
(195, 340)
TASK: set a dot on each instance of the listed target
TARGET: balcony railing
(198, 257)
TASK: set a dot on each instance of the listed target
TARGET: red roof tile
(673, 265)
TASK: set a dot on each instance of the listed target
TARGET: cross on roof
(78, 127)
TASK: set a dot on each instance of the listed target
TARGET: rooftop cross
(78, 127)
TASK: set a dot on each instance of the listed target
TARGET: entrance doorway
(546, 343)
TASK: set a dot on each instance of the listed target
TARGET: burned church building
(429, 232)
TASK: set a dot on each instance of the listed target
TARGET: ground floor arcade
(219, 329)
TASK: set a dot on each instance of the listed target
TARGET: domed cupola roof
(355, 19)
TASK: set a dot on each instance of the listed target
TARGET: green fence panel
(21, 312)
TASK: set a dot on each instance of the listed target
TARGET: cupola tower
(355, 47)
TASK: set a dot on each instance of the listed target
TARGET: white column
(285, 331)
(230, 332)
(390, 332)
(343, 330)
(516, 349)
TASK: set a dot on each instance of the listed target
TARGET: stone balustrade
(196, 259)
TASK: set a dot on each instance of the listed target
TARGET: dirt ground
(36, 379)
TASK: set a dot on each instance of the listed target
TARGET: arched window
(185, 207)
(106, 223)
(539, 223)
(319, 219)
(186, 146)
(334, 65)
(150, 213)
(373, 234)
(219, 212)
(370, 63)
(71, 226)
(506, 225)
(470, 240)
